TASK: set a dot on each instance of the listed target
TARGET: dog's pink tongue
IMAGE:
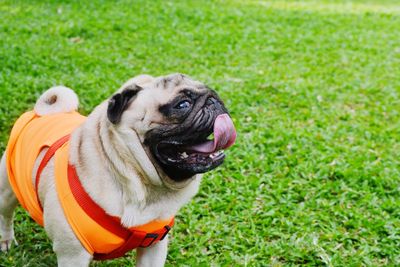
(224, 136)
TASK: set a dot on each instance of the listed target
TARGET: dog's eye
(183, 105)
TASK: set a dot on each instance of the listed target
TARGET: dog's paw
(5, 245)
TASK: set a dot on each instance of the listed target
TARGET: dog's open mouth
(199, 155)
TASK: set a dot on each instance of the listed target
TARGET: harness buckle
(167, 229)
(149, 240)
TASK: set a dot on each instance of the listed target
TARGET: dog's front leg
(154, 255)
(73, 260)
(70, 253)
(69, 250)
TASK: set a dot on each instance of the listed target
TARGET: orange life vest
(101, 234)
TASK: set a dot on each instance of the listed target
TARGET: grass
(313, 87)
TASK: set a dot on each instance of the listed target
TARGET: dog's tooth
(215, 154)
(184, 155)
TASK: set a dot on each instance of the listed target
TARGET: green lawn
(313, 88)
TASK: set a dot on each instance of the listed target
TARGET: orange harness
(102, 235)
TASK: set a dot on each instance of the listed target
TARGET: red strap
(49, 154)
(92, 209)
(133, 239)
(137, 239)
(131, 243)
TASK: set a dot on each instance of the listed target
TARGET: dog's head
(182, 124)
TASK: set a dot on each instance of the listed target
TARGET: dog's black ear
(120, 102)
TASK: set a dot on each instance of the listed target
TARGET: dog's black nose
(215, 104)
(212, 101)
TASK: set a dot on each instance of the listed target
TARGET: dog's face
(174, 117)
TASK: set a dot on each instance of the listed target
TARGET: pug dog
(139, 156)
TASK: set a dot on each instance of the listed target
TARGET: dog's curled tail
(57, 99)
